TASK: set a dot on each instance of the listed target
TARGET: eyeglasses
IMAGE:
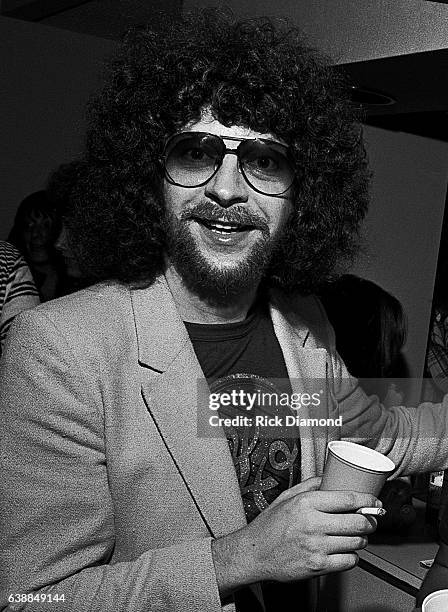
(191, 159)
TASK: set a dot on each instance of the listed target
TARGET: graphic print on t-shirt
(246, 356)
(266, 460)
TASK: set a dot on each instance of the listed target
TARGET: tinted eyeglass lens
(266, 166)
(191, 160)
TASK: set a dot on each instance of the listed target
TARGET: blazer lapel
(170, 375)
(306, 363)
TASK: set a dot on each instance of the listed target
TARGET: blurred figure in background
(33, 233)
(437, 353)
(437, 356)
(59, 188)
(17, 289)
(370, 328)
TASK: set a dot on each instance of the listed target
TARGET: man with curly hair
(224, 181)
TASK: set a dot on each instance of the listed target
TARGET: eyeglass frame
(227, 151)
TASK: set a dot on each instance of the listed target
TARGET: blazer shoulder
(307, 311)
(90, 315)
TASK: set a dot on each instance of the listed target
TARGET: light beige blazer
(108, 496)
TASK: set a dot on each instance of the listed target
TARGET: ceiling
(417, 82)
(102, 18)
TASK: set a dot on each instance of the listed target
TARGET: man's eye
(263, 164)
(195, 154)
(266, 163)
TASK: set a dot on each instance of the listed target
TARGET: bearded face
(223, 235)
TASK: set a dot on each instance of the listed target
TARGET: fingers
(373, 522)
(338, 562)
(343, 501)
(311, 484)
(349, 524)
(328, 501)
(342, 562)
(343, 544)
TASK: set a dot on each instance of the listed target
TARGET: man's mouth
(223, 227)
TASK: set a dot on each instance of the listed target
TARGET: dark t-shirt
(246, 355)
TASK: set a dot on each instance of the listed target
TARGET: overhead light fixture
(370, 97)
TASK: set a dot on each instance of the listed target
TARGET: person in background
(370, 328)
(437, 353)
(225, 179)
(59, 187)
(17, 289)
(33, 233)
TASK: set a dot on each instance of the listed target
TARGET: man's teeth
(223, 228)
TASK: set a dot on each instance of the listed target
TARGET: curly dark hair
(255, 73)
(61, 183)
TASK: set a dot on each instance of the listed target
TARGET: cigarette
(372, 511)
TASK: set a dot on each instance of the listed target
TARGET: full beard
(217, 285)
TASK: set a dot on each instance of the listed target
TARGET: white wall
(355, 30)
(402, 229)
(47, 75)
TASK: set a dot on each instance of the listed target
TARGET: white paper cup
(352, 467)
(436, 602)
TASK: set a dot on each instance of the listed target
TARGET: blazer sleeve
(56, 512)
(415, 438)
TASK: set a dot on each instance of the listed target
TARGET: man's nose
(227, 186)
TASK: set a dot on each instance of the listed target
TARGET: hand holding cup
(352, 467)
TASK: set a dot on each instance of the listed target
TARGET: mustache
(234, 214)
